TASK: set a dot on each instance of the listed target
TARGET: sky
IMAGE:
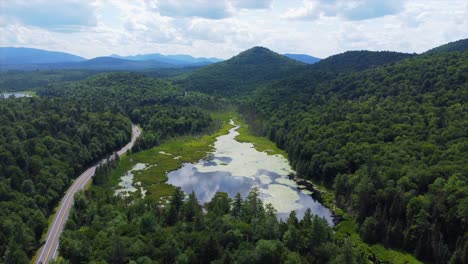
(223, 28)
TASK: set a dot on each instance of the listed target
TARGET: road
(50, 248)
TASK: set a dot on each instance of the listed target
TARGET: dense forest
(162, 109)
(392, 141)
(47, 141)
(13, 81)
(44, 145)
(104, 228)
(21, 80)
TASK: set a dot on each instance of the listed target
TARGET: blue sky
(223, 28)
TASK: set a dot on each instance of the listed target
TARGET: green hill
(391, 141)
(238, 75)
(359, 60)
(459, 45)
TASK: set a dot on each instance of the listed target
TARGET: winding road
(50, 248)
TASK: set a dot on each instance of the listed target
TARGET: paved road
(50, 248)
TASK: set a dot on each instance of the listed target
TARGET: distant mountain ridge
(37, 59)
(104, 63)
(180, 59)
(15, 56)
(302, 58)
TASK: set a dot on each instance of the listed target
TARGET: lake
(236, 167)
(6, 95)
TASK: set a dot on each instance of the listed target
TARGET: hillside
(359, 60)
(15, 56)
(391, 141)
(251, 68)
(302, 58)
(459, 45)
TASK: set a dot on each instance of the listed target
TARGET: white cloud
(131, 27)
(194, 8)
(55, 15)
(252, 4)
(348, 9)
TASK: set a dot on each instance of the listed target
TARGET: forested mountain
(44, 145)
(9, 55)
(257, 67)
(240, 74)
(392, 141)
(459, 45)
(302, 58)
(358, 60)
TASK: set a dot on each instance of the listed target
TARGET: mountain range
(12, 58)
(180, 60)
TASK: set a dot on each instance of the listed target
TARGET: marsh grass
(187, 148)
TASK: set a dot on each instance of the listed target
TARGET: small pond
(17, 94)
(236, 167)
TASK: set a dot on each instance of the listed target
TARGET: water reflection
(236, 167)
(207, 184)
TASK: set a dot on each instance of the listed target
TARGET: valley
(218, 172)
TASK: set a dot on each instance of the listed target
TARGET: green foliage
(44, 145)
(183, 232)
(390, 140)
(163, 110)
(12, 81)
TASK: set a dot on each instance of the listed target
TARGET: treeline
(103, 228)
(162, 109)
(15, 80)
(21, 80)
(44, 145)
(392, 142)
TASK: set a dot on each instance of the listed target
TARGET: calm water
(236, 167)
(6, 95)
